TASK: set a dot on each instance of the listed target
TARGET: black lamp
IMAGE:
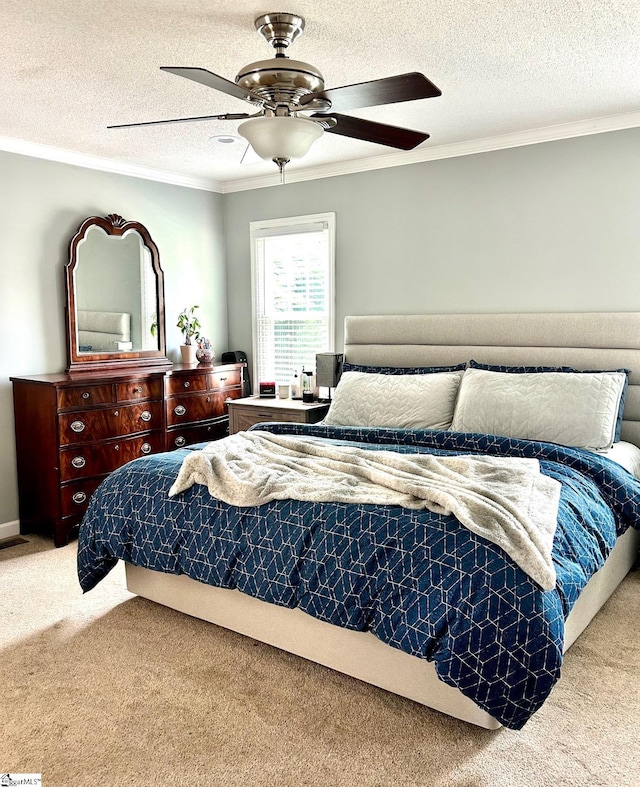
(328, 371)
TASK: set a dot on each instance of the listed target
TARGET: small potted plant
(189, 324)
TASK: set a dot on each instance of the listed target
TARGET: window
(292, 262)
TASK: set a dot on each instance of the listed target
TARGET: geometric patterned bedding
(417, 580)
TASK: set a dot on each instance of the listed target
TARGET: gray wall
(548, 227)
(42, 204)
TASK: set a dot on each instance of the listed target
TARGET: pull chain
(281, 162)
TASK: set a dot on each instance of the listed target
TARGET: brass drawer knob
(78, 461)
(79, 497)
(77, 426)
(146, 448)
(86, 395)
(146, 415)
(138, 389)
(179, 441)
(186, 384)
(180, 409)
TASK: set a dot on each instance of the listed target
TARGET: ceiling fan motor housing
(281, 80)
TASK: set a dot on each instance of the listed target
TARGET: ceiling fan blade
(368, 130)
(210, 79)
(226, 116)
(390, 90)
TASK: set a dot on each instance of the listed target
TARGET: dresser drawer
(131, 390)
(74, 497)
(225, 379)
(86, 461)
(183, 383)
(86, 427)
(179, 437)
(84, 396)
(198, 407)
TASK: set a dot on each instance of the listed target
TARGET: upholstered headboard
(596, 340)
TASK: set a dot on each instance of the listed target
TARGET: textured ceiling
(71, 68)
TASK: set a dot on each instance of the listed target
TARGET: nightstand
(244, 413)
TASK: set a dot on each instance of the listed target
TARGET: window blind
(292, 296)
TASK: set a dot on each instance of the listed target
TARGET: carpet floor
(110, 689)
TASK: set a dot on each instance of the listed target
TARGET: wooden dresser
(72, 430)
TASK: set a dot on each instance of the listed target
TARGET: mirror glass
(115, 296)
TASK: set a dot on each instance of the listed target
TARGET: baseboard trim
(8, 529)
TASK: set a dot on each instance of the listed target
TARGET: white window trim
(294, 225)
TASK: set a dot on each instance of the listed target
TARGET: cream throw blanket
(506, 500)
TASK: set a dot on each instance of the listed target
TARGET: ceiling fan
(280, 89)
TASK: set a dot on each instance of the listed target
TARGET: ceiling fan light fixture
(281, 138)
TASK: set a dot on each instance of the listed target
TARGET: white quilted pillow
(578, 410)
(418, 401)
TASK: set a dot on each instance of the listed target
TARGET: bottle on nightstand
(296, 392)
(307, 387)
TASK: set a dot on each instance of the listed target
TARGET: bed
(465, 659)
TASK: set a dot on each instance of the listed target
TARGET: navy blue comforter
(420, 581)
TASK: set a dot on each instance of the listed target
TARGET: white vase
(188, 352)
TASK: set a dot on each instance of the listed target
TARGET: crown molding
(63, 156)
(580, 128)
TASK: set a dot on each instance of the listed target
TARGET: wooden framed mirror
(115, 297)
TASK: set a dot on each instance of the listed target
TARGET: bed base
(356, 653)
